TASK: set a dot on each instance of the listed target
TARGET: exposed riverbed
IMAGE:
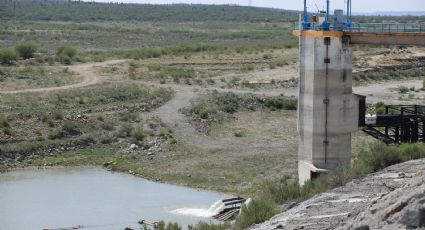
(93, 198)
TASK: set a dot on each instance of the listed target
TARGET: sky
(358, 5)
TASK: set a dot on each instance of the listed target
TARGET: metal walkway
(400, 124)
(374, 33)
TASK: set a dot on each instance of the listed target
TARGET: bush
(411, 151)
(7, 131)
(267, 56)
(258, 211)
(70, 128)
(403, 89)
(206, 226)
(167, 134)
(4, 122)
(128, 116)
(380, 108)
(279, 103)
(26, 50)
(125, 130)
(109, 126)
(107, 139)
(170, 226)
(58, 115)
(138, 135)
(247, 68)
(378, 157)
(7, 56)
(66, 54)
(55, 134)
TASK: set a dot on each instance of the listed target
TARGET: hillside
(88, 11)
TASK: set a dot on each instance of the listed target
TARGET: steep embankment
(391, 199)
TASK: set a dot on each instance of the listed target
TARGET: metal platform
(372, 33)
(400, 124)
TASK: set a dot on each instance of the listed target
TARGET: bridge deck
(387, 38)
(368, 33)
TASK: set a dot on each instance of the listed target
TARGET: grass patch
(216, 107)
(19, 77)
(87, 99)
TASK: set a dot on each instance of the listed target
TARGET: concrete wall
(328, 111)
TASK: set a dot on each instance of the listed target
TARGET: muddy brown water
(93, 198)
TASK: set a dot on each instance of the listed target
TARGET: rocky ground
(391, 199)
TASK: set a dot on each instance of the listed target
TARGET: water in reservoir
(95, 199)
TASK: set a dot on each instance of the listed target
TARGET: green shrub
(128, 116)
(138, 135)
(206, 226)
(55, 134)
(403, 89)
(7, 56)
(166, 133)
(267, 56)
(247, 68)
(66, 54)
(109, 126)
(258, 211)
(70, 128)
(284, 189)
(378, 157)
(66, 60)
(4, 122)
(107, 139)
(7, 131)
(279, 103)
(26, 50)
(380, 108)
(411, 151)
(239, 133)
(170, 226)
(58, 115)
(272, 65)
(125, 130)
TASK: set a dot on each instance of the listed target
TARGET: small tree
(7, 56)
(26, 50)
(66, 54)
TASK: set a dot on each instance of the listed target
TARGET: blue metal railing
(365, 27)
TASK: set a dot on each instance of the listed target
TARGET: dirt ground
(268, 146)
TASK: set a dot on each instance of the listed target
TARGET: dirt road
(85, 75)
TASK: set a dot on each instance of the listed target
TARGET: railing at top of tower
(363, 27)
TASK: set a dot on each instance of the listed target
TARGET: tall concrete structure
(328, 111)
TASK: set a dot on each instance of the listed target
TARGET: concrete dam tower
(328, 110)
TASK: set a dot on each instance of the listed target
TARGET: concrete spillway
(328, 109)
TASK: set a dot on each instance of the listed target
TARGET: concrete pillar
(328, 111)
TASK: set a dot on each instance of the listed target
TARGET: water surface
(92, 197)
